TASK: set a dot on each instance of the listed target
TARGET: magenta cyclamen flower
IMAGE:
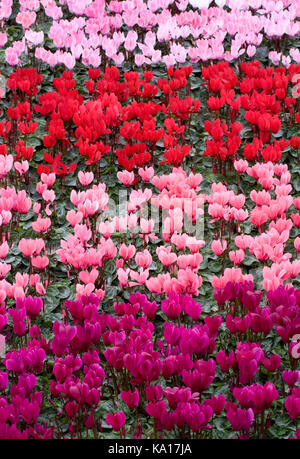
(257, 397)
(200, 378)
(33, 306)
(292, 404)
(63, 336)
(3, 380)
(216, 403)
(241, 420)
(25, 360)
(130, 398)
(116, 420)
(290, 377)
(225, 362)
(153, 393)
(19, 320)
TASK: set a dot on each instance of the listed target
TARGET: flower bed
(149, 218)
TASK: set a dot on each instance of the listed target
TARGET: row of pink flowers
(156, 31)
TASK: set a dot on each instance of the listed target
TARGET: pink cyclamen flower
(85, 178)
(130, 41)
(116, 420)
(143, 259)
(240, 166)
(41, 224)
(237, 256)
(297, 244)
(21, 167)
(106, 228)
(26, 18)
(127, 252)
(48, 179)
(291, 377)
(35, 38)
(219, 246)
(31, 246)
(296, 203)
(146, 174)
(6, 163)
(74, 217)
(241, 420)
(36, 207)
(127, 178)
(12, 56)
(48, 195)
(130, 398)
(40, 262)
(4, 248)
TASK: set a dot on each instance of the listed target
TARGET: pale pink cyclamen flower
(297, 244)
(4, 248)
(4, 269)
(40, 262)
(34, 279)
(231, 275)
(219, 247)
(251, 50)
(41, 187)
(286, 61)
(240, 166)
(48, 211)
(31, 246)
(35, 38)
(37, 207)
(121, 224)
(21, 167)
(3, 39)
(48, 195)
(130, 40)
(18, 292)
(106, 228)
(53, 11)
(140, 277)
(127, 178)
(179, 240)
(123, 276)
(237, 256)
(118, 59)
(194, 244)
(143, 259)
(139, 60)
(48, 179)
(147, 225)
(26, 19)
(85, 178)
(238, 201)
(40, 289)
(243, 241)
(261, 198)
(21, 279)
(166, 256)
(91, 57)
(32, 5)
(84, 290)
(88, 277)
(275, 57)
(41, 224)
(100, 293)
(127, 252)
(146, 174)
(6, 163)
(297, 203)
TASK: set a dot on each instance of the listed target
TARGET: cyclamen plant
(149, 220)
